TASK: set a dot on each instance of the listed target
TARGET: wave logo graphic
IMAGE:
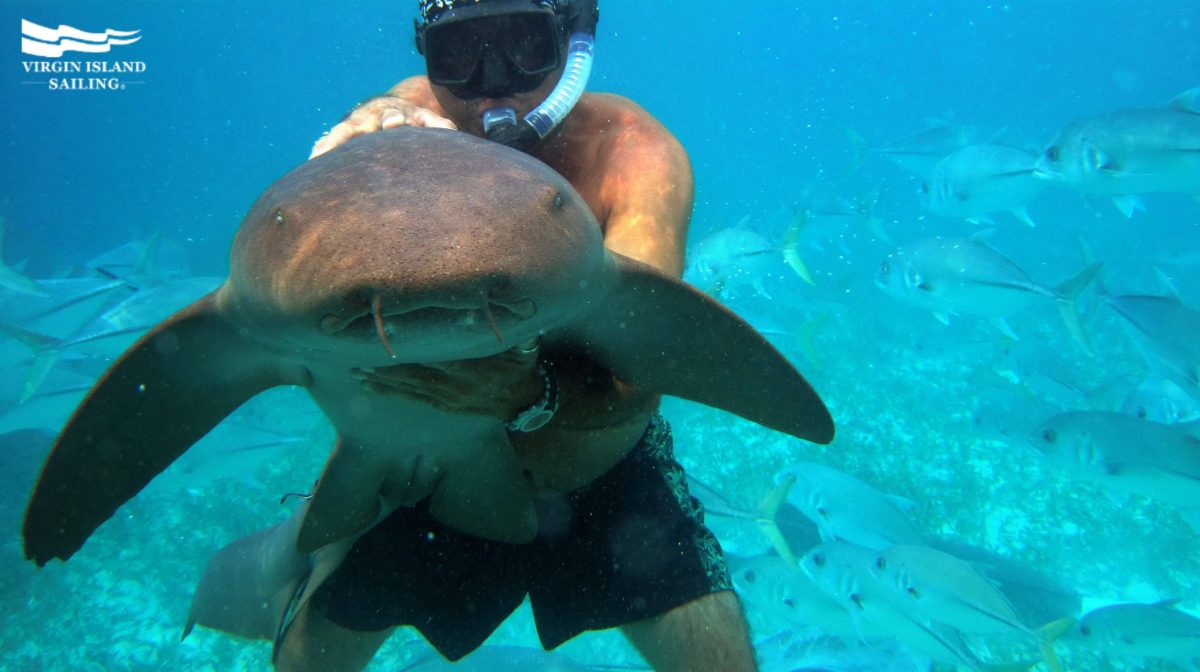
(54, 42)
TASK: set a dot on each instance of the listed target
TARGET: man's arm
(651, 190)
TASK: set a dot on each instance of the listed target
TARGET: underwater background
(789, 111)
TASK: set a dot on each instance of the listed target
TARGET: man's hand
(377, 114)
(500, 386)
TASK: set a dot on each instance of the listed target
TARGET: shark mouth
(380, 323)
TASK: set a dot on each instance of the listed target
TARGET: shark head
(450, 265)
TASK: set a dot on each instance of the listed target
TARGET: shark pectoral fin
(658, 333)
(484, 493)
(166, 392)
(347, 500)
(248, 585)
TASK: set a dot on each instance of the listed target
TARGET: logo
(53, 43)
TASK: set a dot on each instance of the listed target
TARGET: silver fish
(1127, 152)
(918, 152)
(846, 573)
(964, 276)
(1167, 331)
(1125, 454)
(731, 259)
(942, 588)
(1161, 400)
(844, 507)
(981, 179)
(1156, 630)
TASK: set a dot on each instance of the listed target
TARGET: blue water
(759, 93)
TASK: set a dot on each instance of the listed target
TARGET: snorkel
(501, 125)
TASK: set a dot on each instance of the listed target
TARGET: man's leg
(708, 634)
(314, 643)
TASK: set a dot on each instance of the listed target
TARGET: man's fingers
(375, 115)
(336, 136)
(423, 117)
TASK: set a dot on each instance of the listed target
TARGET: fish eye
(924, 187)
(881, 563)
(749, 575)
(789, 602)
(914, 592)
(856, 599)
(818, 559)
(822, 512)
(1085, 630)
(1052, 153)
(885, 267)
(1049, 435)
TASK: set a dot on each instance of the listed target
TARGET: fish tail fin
(867, 217)
(1089, 258)
(860, 147)
(45, 356)
(1067, 294)
(1015, 666)
(768, 511)
(146, 265)
(13, 277)
(805, 338)
(791, 240)
(1049, 633)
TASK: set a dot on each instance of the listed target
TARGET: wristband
(536, 416)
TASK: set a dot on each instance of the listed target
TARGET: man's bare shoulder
(622, 136)
(619, 119)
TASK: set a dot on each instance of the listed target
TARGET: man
(620, 541)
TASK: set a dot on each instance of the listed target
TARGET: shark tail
(767, 520)
(1067, 294)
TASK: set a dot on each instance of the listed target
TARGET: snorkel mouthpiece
(500, 123)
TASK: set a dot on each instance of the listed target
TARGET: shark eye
(914, 592)
(749, 576)
(822, 512)
(881, 563)
(1049, 435)
(885, 268)
(818, 559)
(1052, 153)
(278, 216)
(1085, 630)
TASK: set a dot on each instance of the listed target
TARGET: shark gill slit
(377, 313)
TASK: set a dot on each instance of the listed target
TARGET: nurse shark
(402, 246)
